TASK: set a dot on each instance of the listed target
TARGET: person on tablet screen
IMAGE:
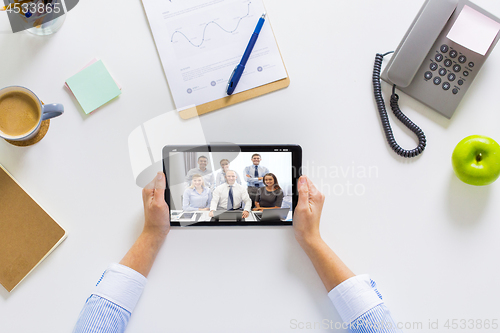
(197, 196)
(254, 175)
(202, 169)
(109, 307)
(230, 196)
(221, 176)
(271, 196)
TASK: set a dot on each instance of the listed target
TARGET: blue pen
(238, 70)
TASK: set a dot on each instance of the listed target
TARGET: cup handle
(51, 111)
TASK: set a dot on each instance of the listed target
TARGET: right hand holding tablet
(308, 211)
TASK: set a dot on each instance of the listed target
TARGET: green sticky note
(93, 87)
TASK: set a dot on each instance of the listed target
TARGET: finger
(314, 193)
(312, 189)
(303, 191)
(159, 187)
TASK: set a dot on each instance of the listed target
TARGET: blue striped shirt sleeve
(109, 308)
(103, 316)
(361, 307)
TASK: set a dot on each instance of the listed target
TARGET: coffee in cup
(21, 113)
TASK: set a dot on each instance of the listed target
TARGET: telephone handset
(438, 58)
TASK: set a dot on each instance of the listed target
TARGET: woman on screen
(271, 196)
(221, 177)
(197, 196)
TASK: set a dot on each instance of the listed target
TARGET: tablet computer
(211, 179)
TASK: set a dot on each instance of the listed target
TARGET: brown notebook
(27, 233)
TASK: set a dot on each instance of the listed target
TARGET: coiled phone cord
(377, 91)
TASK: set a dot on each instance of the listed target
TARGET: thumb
(303, 191)
(160, 185)
(148, 190)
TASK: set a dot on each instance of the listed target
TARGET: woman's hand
(156, 212)
(308, 212)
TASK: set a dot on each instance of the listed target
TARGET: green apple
(476, 160)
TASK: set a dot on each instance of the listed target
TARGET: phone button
(447, 62)
(438, 57)
(460, 82)
(466, 73)
(444, 48)
(433, 66)
(451, 77)
(457, 68)
(462, 59)
(437, 80)
(428, 75)
(471, 64)
(453, 53)
(442, 71)
(446, 86)
(455, 91)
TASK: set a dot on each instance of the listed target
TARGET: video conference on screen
(195, 176)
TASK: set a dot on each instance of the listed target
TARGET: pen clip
(231, 78)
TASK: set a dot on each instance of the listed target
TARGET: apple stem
(479, 157)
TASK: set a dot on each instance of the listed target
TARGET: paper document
(201, 41)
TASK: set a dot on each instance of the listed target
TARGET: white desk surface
(430, 241)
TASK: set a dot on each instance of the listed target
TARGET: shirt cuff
(121, 285)
(353, 297)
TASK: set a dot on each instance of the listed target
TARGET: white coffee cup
(22, 113)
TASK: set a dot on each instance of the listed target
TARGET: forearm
(118, 291)
(330, 268)
(142, 254)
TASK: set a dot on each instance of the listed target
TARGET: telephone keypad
(446, 55)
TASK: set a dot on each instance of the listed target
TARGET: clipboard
(234, 99)
(187, 111)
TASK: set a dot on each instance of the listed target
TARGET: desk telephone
(436, 62)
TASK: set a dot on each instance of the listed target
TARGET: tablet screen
(232, 184)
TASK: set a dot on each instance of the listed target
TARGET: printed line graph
(206, 26)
